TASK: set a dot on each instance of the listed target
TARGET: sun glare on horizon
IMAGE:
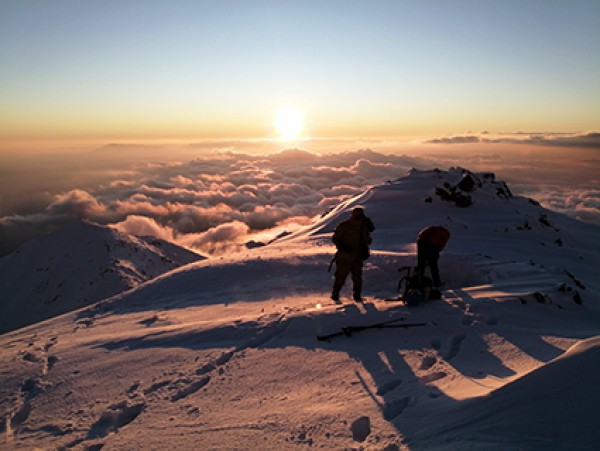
(289, 123)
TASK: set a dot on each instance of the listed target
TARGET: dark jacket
(352, 238)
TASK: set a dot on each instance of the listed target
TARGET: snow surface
(222, 353)
(76, 266)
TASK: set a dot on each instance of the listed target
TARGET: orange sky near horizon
(80, 72)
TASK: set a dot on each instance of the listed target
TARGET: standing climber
(352, 238)
(430, 242)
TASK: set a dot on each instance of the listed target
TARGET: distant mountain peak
(295, 154)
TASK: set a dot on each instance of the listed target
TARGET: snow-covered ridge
(77, 266)
(490, 227)
(502, 247)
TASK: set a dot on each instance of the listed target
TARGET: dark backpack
(417, 288)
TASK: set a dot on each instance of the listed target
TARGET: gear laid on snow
(417, 288)
(349, 330)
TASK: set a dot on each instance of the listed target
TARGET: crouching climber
(430, 242)
(352, 238)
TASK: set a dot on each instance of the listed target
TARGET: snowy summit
(222, 353)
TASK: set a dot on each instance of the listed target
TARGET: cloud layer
(219, 202)
(216, 203)
(589, 140)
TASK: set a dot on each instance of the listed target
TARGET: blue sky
(222, 69)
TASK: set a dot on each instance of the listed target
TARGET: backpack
(417, 289)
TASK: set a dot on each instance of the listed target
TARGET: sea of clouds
(213, 203)
(221, 200)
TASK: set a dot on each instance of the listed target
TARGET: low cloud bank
(216, 203)
(589, 139)
(221, 201)
(583, 205)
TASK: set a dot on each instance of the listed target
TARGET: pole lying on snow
(349, 330)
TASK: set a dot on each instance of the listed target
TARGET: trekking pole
(405, 277)
(349, 330)
(331, 264)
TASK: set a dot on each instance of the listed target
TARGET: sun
(289, 123)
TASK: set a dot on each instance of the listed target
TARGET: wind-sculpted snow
(223, 353)
(561, 394)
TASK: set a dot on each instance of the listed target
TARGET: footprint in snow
(388, 386)
(154, 320)
(149, 321)
(394, 408)
(15, 419)
(49, 364)
(114, 418)
(301, 437)
(154, 387)
(30, 387)
(57, 431)
(218, 362)
(361, 428)
(455, 346)
(427, 362)
(84, 323)
(190, 388)
(427, 379)
(133, 388)
(30, 357)
(193, 411)
(51, 342)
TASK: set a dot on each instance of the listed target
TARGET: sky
(188, 70)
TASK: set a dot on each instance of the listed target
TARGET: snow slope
(77, 266)
(222, 353)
